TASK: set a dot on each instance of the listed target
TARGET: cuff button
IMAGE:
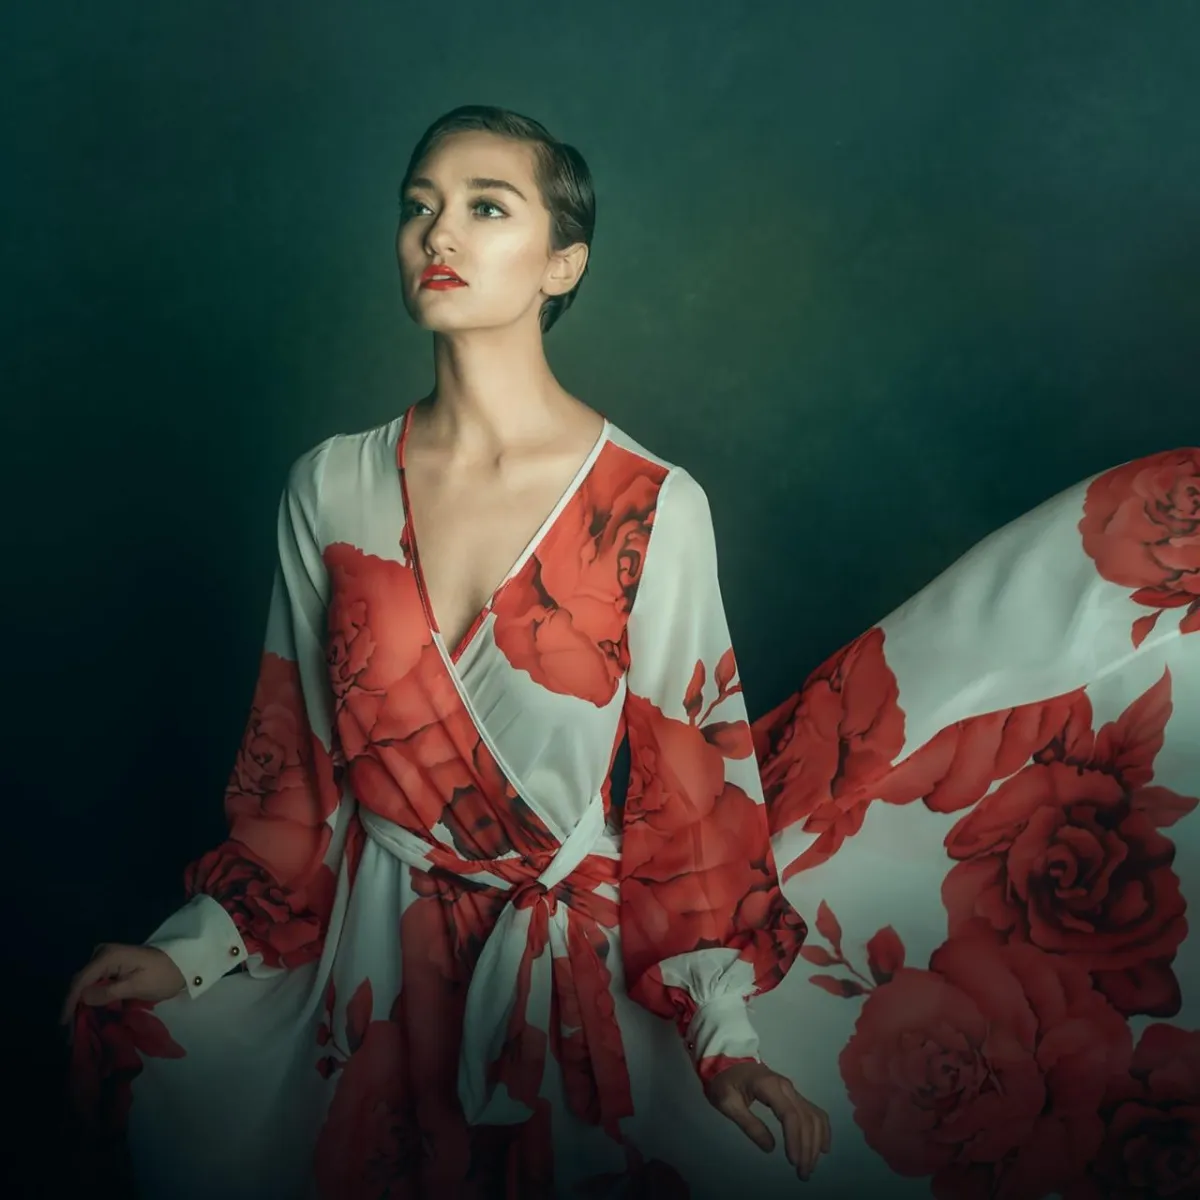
(197, 981)
(234, 951)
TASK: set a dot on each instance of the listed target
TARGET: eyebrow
(479, 183)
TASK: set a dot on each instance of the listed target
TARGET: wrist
(721, 1033)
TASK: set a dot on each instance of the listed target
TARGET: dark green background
(882, 275)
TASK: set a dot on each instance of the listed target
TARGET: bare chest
(471, 535)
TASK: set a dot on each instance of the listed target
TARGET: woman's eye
(496, 210)
(408, 208)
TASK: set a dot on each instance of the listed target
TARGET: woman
(434, 954)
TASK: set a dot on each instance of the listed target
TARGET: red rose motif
(371, 1146)
(681, 893)
(513, 1160)
(285, 925)
(282, 790)
(376, 633)
(677, 772)
(821, 751)
(1141, 525)
(584, 1034)
(413, 752)
(956, 767)
(107, 1047)
(1066, 854)
(986, 1071)
(270, 873)
(562, 618)
(448, 926)
(1151, 1147)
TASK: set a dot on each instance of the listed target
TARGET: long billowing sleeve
(264, 896)
(704, 925)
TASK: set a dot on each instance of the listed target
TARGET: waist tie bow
(512, 980)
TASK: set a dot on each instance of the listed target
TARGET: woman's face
(474, 206)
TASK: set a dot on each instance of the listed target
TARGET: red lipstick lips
(440, 278)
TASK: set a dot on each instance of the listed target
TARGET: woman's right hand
(119, 972)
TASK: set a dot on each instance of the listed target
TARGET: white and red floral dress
(433, 957)
(985, 806)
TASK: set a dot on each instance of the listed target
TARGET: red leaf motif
(844, 989)
(1191, 621)
(828, 927)
(1163, 806)
(1143, 627)
(818, 956)
(726, 670)
(1129, 745)
(358, 1015)
(149, 1034)
(694, 699)
(1160, 597)
(885, 954)
(732, 738)
(1077, 741)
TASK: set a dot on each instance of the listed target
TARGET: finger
(104, 993)
(812, 1142)
(97, 969)
(785, 1105)
(797, 1138)
(826, 1134)
(736, 1109)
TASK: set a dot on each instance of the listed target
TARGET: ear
(565, 270)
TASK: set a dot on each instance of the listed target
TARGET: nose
(439, 236)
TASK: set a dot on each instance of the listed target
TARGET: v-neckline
(539, 536)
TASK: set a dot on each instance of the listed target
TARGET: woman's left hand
(806, 1132)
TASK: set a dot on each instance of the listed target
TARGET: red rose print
(376, 633)
(107, 1047)
(584, 1034)
(986, 1071)
(562, 617)
(821, 752)
(285, 925)
(680, 769)
(413, 752)
(697, 867)
(885, 956)
(1151, 1147)
(1141, 525)
(513, 1160)
(282, 790)
(1067, 854)
(957, 766)
(448, 926)
(269, 874)
(370, 1145)
(681, 893)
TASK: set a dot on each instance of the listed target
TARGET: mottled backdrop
(883, 276)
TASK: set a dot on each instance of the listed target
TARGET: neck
(493, 390)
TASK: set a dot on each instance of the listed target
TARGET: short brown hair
(561, 172)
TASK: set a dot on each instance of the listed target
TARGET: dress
(434, 957)
(984, 806)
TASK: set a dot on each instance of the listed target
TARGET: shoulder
(680, 500)
(342, 461)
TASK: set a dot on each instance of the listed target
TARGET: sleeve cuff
(202, 941)
(721, 1029)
